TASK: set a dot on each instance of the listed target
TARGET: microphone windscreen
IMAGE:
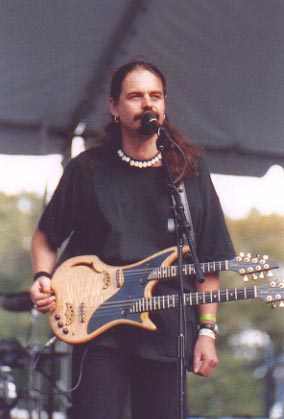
(149, 123)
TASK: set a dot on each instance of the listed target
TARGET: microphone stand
(182, 230)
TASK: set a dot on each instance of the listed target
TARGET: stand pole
(182, 229)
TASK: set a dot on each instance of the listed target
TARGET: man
(113, 201)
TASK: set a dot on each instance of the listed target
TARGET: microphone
(150, 123)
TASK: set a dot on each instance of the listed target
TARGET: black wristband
(41, 273)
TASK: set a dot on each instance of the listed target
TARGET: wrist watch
(210, 326)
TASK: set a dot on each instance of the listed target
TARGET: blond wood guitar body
(92, 297)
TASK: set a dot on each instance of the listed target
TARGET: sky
(238, 194)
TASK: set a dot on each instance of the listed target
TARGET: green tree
(236, 388)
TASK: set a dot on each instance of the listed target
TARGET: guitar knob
(57, 317)
(65, 331)
(60, 324)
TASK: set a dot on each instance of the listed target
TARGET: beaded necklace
(139, 163)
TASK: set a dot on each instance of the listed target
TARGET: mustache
(139, 117)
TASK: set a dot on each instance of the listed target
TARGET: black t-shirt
(120, 213)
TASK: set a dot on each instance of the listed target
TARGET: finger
(206, 367)
(46, 306)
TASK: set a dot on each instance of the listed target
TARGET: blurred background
(224, 63)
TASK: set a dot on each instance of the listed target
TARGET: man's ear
(113, 107)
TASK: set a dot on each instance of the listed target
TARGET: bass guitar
(92, 297)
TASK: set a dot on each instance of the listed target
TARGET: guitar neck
(171, 272)
(164, 302)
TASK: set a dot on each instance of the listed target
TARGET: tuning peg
(242, 254)
(245, 278)
(261, 275)
(249, 255)
(254, 276)
(265, 257)
(270, 274)
(281, 304)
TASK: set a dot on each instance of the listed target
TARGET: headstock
(273, 293)
(255, 266)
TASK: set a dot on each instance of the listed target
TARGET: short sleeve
(212, 235)
(59, 218)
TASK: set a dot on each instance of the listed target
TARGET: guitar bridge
(69, 314)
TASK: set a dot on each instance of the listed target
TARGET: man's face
(141, 91)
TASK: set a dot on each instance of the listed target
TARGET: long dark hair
(111, 136)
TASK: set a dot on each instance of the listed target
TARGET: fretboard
(163, 302)
(172, 271)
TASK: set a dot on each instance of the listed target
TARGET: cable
(60, 392)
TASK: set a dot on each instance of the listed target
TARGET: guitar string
(195, 298)
(189, 269)
(186, 267)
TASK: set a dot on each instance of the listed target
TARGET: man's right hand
(42, 296)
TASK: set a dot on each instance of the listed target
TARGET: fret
(163, 302)
(159, 303)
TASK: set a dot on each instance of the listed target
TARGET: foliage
(18, 218)
(235, 388)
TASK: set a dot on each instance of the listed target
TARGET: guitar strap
(184, 200)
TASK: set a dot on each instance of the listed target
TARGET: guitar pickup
(119, 278)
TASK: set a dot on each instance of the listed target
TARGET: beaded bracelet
(41, 273)
(207, 332)
(208, 316)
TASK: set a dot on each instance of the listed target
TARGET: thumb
(196, 362)
(45, 284)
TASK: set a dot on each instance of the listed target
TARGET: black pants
(107, 378)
